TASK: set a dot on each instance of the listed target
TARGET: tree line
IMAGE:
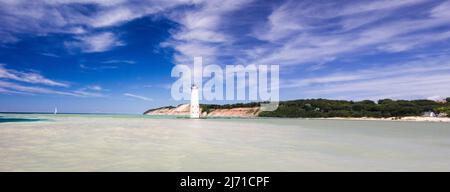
(311, 108)
(366, 108)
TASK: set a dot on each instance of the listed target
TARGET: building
(195, 106)
(442, 115)
(429, 114)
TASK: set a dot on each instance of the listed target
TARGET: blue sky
(115, 56)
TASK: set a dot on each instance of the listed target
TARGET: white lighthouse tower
(195, 107)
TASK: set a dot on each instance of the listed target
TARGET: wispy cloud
(203, 30)
(138, 97)
(50, 55)
(28, 77)
(94, 87)
(8, 87)
(15, 88)
(303, 36)
(72, 17)
(409, 87)
(91, 91)
(98, 68)
(32, 89)
(95, 43)
(161, 85)
(119, 61)
(82, 93)
(298, 33)
(6, 91)
(289, 32)
(417, 79)
(313, 42)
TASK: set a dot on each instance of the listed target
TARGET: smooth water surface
(142, 143)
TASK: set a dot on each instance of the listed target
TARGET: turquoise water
(77, 142)
(17, 119)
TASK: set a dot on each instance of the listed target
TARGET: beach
(143, 143)
(411, 118)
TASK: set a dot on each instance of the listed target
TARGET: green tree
(341, 108)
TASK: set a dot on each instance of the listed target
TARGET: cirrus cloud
(138, 97)
(28, 77)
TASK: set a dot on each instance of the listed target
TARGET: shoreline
(410, 118)
(403, 119)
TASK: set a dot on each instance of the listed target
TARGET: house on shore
(429, 114)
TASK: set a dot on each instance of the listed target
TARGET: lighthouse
(195, 107)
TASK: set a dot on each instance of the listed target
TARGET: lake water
(140, 143)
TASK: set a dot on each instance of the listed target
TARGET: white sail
(56, 110)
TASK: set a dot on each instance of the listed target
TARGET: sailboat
(56, 111)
